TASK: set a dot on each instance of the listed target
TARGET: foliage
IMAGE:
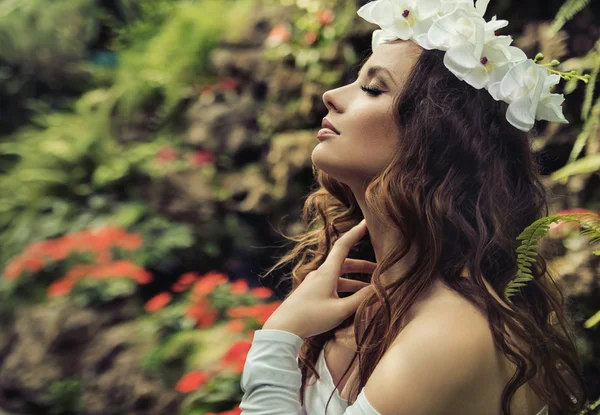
(533, 233)
(64, 397)
(36, 58)
(314, 31)
(569, 9)
(30, 39)
(204, 357)
(93, 266)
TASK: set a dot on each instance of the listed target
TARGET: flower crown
(473, 53)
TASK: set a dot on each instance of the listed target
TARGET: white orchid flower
(549, 108)
(474, 53)
(406, 19)
(493, 25)
(526, 87)
(512, 55)
(480, 70)
(456, 28)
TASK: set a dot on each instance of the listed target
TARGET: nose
(329, 101)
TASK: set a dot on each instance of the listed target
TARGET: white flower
(485, 69)
(549, 108)
(526, 87)
(381, 36)
(512, 55)
(493, 25)
(456, 28)
(474, 53)
(406, 19)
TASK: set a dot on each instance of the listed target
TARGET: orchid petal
(513, 80)
(428, 8)
(551, 80)
(494, 24)
(443, 30)
(460, 58)
(478, 77)
(550, 109)
(378, 12)
(518, 114)
(381, 36)
(401, 28)
(481, 6)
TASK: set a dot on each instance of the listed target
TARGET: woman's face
(364, 119)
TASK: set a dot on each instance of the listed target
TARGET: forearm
(271, 378)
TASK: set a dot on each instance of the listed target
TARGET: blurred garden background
(151, 153)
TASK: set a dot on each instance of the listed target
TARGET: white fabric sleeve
(271, 378)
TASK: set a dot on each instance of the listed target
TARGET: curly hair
(462, 185)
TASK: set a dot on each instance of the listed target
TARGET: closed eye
(371, 91)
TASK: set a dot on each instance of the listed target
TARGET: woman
(446, 183)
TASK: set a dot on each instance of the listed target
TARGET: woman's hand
(315, 307)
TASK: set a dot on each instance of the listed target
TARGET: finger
(357, 266)
(350, 304)
(341, 248)
(346, 285)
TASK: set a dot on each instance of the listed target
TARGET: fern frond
(566, 13)
(526, 251)
(592, 229)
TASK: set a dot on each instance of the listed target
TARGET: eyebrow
(373, 70)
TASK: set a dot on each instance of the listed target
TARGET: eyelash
(371, 91)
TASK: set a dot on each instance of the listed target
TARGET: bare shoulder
(437, 364)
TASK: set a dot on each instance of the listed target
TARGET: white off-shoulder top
(271, 381)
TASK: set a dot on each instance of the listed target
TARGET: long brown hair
(462, 185)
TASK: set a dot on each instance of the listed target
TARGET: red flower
(13, 269)
(261, 312)
(261, 292)
(207, 283)
(166, 154)
(236, 326)
(229, 83)
(184, 281)
(278, 34)
(203, 313)
(310, 37)
(235, 411)
(192, 381)
(97, 241)
(239, 287)
(79, 271)
(177, 288)
(325, 17)
(158, 301)
(122, 268)
(60, 287)
(61, 248)
(235, 357)
(22, 263)
(200, 157)
(563, 228)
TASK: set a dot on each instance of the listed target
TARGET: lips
(329, 125)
